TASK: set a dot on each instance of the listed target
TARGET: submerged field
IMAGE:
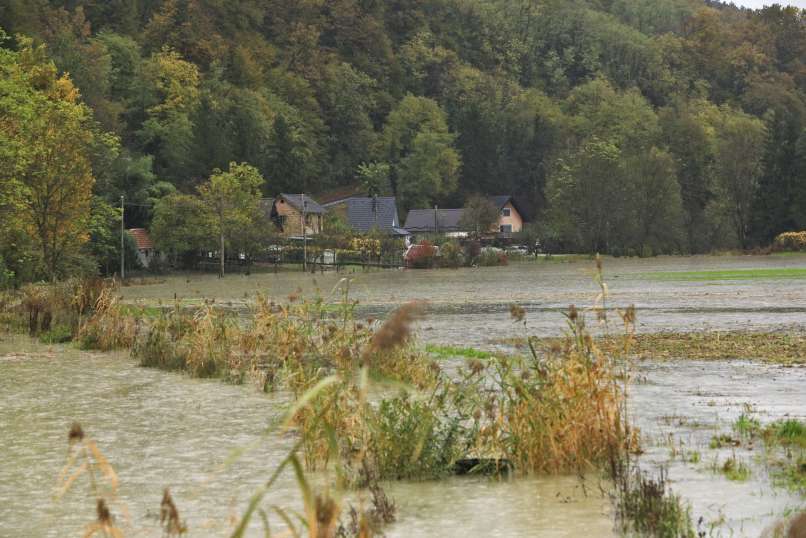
(470, 306)
(166, 429)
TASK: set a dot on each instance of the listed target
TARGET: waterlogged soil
(470, 306)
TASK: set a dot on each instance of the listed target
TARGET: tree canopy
(587, 112)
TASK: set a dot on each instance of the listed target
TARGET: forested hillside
(623, 126)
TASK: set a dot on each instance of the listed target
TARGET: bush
(410, 439)
(451, 255)
(490, 258)
(56, 335)
(422, 256)
(790, 241)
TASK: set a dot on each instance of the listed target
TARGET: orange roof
(142, 238)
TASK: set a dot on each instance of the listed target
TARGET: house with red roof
(145, 246)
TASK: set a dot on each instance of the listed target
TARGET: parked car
(518, 249)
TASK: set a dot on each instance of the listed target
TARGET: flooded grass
(647, 507)
(734, 274)
(449, 352)
(777, 347)
(734, 469)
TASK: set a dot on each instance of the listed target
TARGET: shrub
(490, 258)
(422, 256)
(412, 439)
(109, 327)
(790, 241)
(451, 255)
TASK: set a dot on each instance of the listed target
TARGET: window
(505, 212)
(505, 228)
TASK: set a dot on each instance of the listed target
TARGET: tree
(232, 201)
(655, 202)
(586, 196)
(181, 226)
(374, 178)
(47, 139)
(739, 153)
(690, 141)
(479, 215)
(171, 96)
(347, 99)
(420, 150)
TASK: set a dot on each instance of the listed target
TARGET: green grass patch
(791, 475)
(141, 311)
(733, 274)
(447, 352)
(734, 469)
(59, 334)
(790, 432)
(747, 425)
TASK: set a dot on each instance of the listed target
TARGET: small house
(510, 219)
(448, 221)
(145, 247)
(296, 215)
(366, 213)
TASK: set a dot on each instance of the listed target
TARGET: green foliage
(447, 352)
(45, 160)
(181, 227)
(480, 215)
(232, 202)
(684, 122)
(451, 255)
(420, 149)
(735, 469)
(375, 178)
(411, 439)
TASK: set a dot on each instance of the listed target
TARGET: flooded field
(163, 429)
(471, 305)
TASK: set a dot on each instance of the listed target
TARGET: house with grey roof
(434, 221)
(295, 215)
(366, 213)
(448, 221)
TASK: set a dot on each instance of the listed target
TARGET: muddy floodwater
(207, 440)
(471, 305)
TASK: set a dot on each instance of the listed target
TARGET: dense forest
(622, 126)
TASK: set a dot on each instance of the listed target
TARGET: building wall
(292, 220)
(514, 219)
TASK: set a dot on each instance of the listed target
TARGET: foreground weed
(85, 459)
(734, 469)
(646, 506)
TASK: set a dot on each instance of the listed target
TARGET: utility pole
(436, 219)
(304, 236)
(221, 236)
(122, 241)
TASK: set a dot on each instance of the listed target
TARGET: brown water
(162, 429)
